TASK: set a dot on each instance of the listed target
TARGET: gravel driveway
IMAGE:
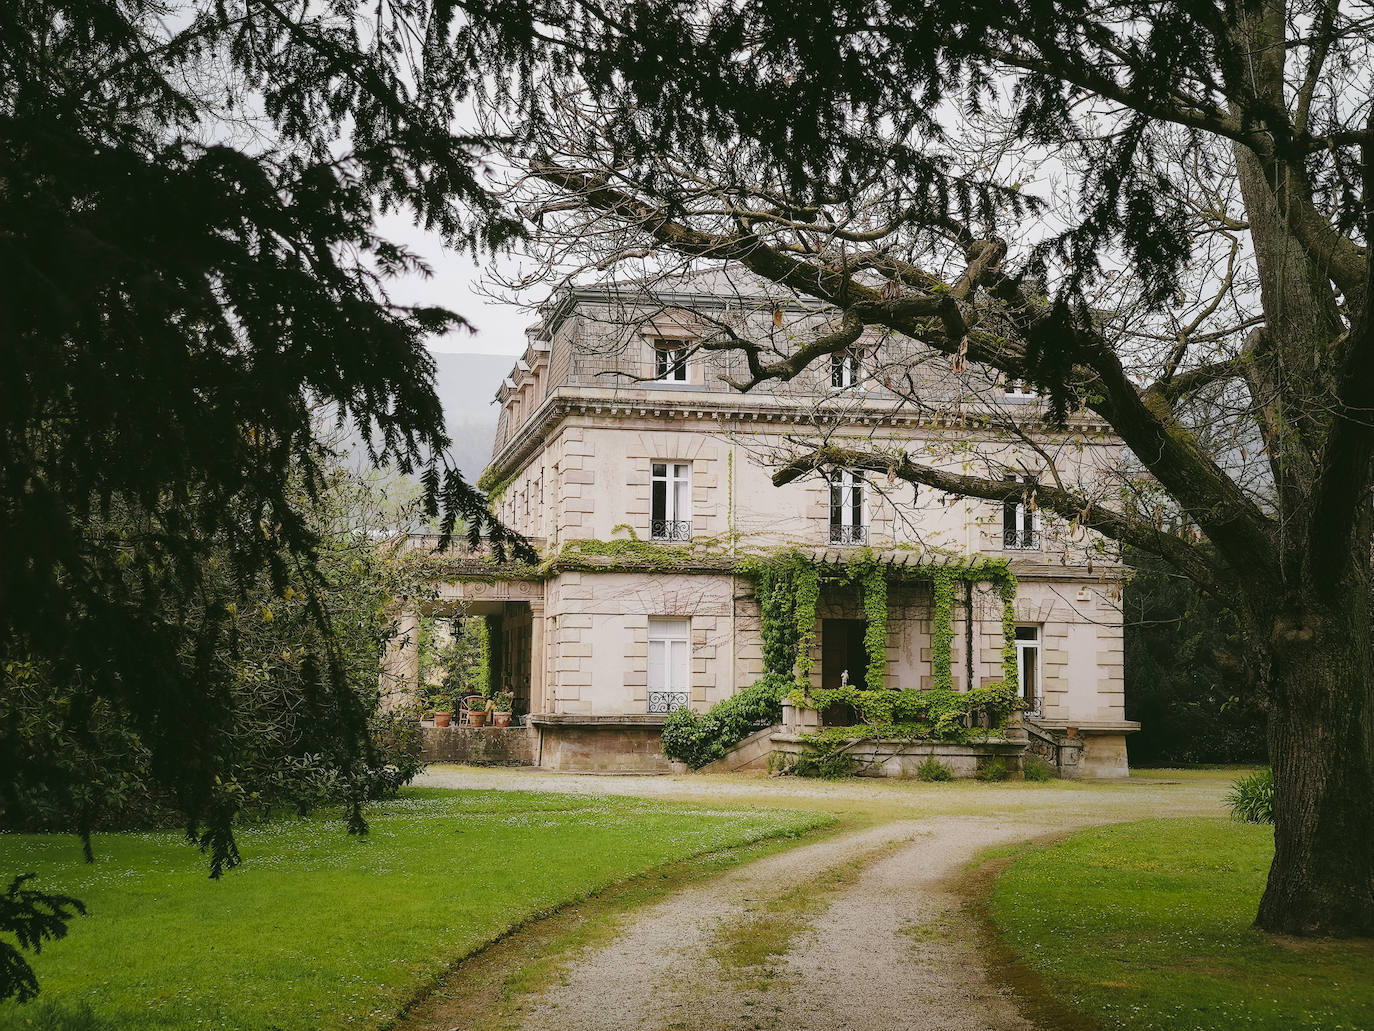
(860, 930)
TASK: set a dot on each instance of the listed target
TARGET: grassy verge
(1146, 926)
(320, 930)
(488, 992)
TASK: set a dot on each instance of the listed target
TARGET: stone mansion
(628, 456)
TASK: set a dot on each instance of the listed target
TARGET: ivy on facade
(787, 584)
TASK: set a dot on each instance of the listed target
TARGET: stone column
(400, 671)
(538, 703)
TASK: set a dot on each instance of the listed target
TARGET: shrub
(939, 714)
(399, 753)
(700, 738)
(992, 769)
(827, 763)
(933, 769)
(1037, 769)
(1251, 799)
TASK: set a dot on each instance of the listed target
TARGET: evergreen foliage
(1186, 680)
(290, 690)
(192, 274)
(33, 917)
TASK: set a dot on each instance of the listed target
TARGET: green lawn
(1147, 925)
(321, 930)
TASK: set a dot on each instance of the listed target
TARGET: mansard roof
(590, 350)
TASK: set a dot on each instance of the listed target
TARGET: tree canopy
(190, 270)
(1158, 215)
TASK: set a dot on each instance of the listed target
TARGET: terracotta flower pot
(443, 719)
(479, 719)
(500, 719)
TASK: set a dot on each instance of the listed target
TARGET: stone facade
(581, 431)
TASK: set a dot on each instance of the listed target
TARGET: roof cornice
(733, 408)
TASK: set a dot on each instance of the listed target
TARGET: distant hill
(467, 386)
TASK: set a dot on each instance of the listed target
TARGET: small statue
(844, 679)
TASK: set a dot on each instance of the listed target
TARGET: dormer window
(848, 518)
(670, 361)
(1019, 390)
(844, 369)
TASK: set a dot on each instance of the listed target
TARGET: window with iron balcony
(1020, 518)
(848, 517)
(670, 505)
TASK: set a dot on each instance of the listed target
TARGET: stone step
(750, 754)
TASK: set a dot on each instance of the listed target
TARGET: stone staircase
(750, 754)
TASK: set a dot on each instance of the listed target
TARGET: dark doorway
(842, 648)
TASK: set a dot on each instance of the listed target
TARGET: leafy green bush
(992, 769)
(938, 715)
(700, 738)
(399, 753)
(933, 769)
(1251, 799)
(1037, 769)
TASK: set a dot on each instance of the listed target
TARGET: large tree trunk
(1321, 745)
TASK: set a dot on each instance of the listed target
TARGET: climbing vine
(868, 571)
(1010, 675)
(777, 607)
(491, 655)
(808, 588)
(935, 715)
(942, 629)
(493, 483)
(787, 584)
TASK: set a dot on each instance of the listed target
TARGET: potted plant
(476, 706)
(440, 705)
(501, 703)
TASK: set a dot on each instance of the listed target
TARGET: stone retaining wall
(603, 749)
(479, 746)
(883, 758)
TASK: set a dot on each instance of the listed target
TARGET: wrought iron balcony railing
(670, 530)
(1020, 540)
(847, 536)
(663, 702)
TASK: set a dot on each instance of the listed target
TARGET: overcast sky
(500, 327)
